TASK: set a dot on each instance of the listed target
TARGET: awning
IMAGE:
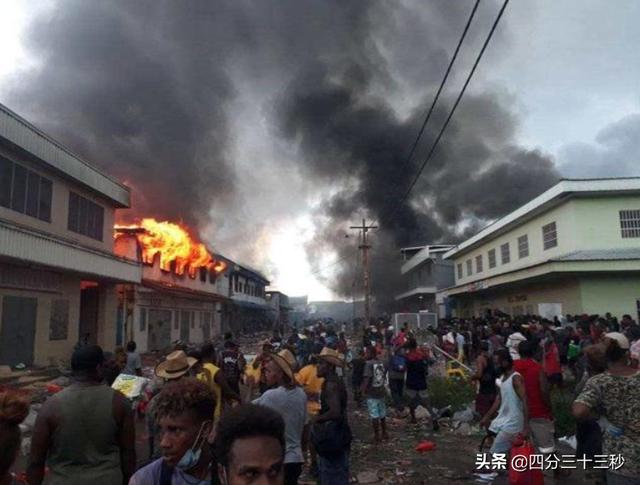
(251, 305)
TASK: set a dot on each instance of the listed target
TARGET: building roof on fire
(564, 190)
(19, 132)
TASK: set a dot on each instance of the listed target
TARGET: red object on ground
(53, 388)
(425, 446)
(520, 472)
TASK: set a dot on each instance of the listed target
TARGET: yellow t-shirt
(209, 378)
(255, 374)
(312, 384)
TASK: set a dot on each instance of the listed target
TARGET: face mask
(192, 455)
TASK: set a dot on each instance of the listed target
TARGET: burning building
(183, 293)
(58, 271)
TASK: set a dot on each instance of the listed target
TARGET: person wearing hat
(615, 394)
(175, 365)
(288, 399)
(333, 467)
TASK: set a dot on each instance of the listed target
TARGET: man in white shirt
(288, 399)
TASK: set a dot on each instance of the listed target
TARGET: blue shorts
(377, 408)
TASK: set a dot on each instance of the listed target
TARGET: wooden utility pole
(364, 247)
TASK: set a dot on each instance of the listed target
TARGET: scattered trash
(425, 446)
(570, 441)
(20, 366)
(464, 429)
(421, 413)
(368, 477)
(465, 416)
(53, 388)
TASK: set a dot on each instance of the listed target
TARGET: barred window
(523, 246)
(479, 263)
(492, 258)
(469, 267)
(630, 223)
(459, 270)
(549, 236)
(505, 253)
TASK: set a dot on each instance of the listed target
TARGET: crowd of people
(527, 355)
(215, 416)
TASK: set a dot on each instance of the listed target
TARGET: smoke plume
(230, 107)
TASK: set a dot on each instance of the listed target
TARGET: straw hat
(332, 356)
(175, 365)
(286, 361)
(622, 340)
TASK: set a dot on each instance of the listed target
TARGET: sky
(561, 75)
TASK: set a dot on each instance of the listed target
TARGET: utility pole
(364, 247)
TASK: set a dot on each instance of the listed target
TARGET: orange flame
(173, 243)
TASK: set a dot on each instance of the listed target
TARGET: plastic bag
(521, 473)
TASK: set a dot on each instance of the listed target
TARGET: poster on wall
(550, 310)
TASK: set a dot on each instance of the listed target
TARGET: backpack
(398, 363)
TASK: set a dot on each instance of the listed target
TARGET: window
(523, 246)
(25, 191)
(630, 223)
(492, 258)
(143, 319)
(85, 217)
(459, 270)
(59, 321)
(469, 267)
(479, 263)
(549, 236)
(505, 254)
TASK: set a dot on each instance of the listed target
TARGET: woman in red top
(552, 367)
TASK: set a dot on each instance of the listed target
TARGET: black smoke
(148, 90)
(140, 89)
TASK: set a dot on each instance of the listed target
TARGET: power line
(431, 109)
(453, 109)
(442, 83)
(428, 115)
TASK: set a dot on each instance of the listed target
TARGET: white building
(424, 273)
(166, 306)
(574, 249)
(249, 309)
(58, 270)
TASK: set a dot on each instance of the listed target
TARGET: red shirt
(530, 371)
(552, 360)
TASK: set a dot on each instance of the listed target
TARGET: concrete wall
(598, 222)
(66, 287)
(591, 294)
(618, 295)
(149, 299)
(565, 221)
(60, 208)
(581, 224)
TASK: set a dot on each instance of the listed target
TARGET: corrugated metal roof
(22, 133)
(37, 248)
(601, 255)
(548, 199)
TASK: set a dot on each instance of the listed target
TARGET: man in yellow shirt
(215, 379)
(308, 378)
